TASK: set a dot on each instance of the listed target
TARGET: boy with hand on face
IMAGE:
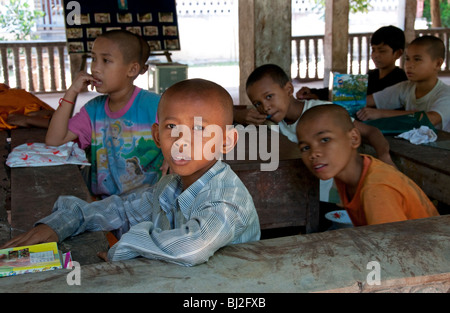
(115, 125)
(371, 191)
(186, 216)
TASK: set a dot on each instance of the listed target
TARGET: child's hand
(368, 114)
(305, 94)
(17, 120)
(39, 234)
(103, 255)
(165, 168)
(82, 81)
(249, 117)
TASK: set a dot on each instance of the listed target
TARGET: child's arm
(372, 113)
(39, 234)
(375, 138)
(58, 132)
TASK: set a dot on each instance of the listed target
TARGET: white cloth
(39, 154)
(419, 136)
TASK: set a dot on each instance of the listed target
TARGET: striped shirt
(166, 223)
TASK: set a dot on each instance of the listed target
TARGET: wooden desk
(34, 190)
(427, 166)
(285, 197)
(413, 257)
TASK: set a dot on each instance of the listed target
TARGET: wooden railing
(308, 57)
(44, 66)
(37, 66)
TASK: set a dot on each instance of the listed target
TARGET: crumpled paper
(419, 136)
(39, 154)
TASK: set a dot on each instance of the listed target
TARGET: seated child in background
(371, 191)
(19, 108)
(271, 92)
(117, 125)
(424, 91)
(186, 217)
(388, 44)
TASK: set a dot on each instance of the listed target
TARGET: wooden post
(410, 18)
(336, 37)
(264, 37)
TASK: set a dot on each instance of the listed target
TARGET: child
(371, 191)
(271, 92)
(117, 125)
(424, 91)
(186, 216)
(387, 43)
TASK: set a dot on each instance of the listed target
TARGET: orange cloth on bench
(18, 101)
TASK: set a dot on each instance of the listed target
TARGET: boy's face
(192, 134)
(419, 65)
(326, 148)
(270, 99)
(107, 66)
(384, 57)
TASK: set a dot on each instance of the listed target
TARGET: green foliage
(355, 5)
(445, 13)
(18, 18)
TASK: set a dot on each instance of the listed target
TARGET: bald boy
(188, 215)
(371, 191)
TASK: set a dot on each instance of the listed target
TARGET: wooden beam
(264, 37)
(336, 37)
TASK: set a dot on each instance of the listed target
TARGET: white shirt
(402, 95)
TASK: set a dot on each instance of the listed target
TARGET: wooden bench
(34, 191)
(285, 197)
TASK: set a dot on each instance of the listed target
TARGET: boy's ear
(155, 134)
(134, 70)
(289, 87)
(231, 138)
(355, 137)
(398, 53)
(439, 62)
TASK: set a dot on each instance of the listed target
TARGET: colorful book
(30, 259)
(349, 91)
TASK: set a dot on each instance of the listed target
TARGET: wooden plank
(412, 254)
(285, 197)
(34, 190)
(5, 191)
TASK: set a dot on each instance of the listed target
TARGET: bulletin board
(155, 20)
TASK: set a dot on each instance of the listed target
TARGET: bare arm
(375, 138)
(58, 132)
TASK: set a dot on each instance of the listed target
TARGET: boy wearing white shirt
(423, 91)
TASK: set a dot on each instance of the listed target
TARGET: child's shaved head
(204, 89)
(339, 115)
(129, 45)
